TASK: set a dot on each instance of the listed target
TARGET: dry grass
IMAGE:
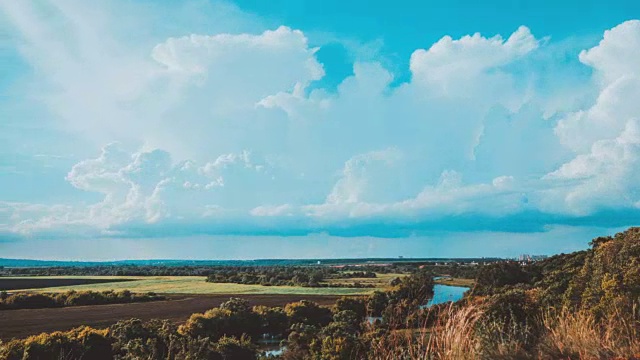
(451, 338)
(565, 335)
(578, 335)
(196, 285)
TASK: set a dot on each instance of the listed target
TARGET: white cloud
(605, 177)
(605, 137)
(616, 55)
(462, 66)
(359, 172)
(231, 126)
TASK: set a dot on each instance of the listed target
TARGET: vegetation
(198, 285)
(229, 331)
(574, 306)
(601, 280)
(25, 300)
(288, 276)
(225, 270)
(455, 281)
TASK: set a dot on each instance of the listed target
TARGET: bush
(308, 313)
(232, 318)
(79, 343)
(24, 300)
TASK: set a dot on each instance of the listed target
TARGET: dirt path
(23, 323)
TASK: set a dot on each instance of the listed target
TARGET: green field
(381, 281)
(455, 281)
(194, 285)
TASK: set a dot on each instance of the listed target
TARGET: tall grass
(462, 333)
(579, 335)
(452, 337)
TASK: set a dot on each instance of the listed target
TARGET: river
(444, 293)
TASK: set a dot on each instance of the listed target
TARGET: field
(186, 295)
(185, 285)
(18, 283)
(381, 281)
(23, 323)
(455, 281)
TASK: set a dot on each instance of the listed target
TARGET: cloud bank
(227, 133)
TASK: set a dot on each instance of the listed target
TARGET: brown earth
(23, 323)
(37, 283)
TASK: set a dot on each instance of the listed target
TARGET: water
(441, 294)
(274, 352)
(271, 346)
(445, 293)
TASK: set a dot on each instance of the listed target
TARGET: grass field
(455, 281)
(198, 285)
(381, 281)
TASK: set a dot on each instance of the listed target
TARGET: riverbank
(454, 281)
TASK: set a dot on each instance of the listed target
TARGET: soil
(178, 308)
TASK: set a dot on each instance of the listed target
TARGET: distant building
(531, 258)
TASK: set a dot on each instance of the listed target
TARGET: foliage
(274, 320)
(377, 302)
(79, 343)
(24, 300)
(498, 275)
(357, 305)
(232, 318)
(286, 276)
(307, 313)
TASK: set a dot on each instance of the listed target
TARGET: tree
(236, 349)
(232, 318)
(308, 313)
(416, 288)
(348, 320)
(377, 302)
(499, 274)
(357, 305)
(274, 320)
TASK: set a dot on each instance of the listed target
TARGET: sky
(206, 129)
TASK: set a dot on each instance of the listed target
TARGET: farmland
(185, 295)
(21, 283)
(184, 285)
(22, 323)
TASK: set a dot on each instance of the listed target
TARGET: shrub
(308, 313)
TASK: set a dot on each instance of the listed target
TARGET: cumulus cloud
(614, 56)
(604, 137)
(227, 131)
(450, 66)
(146, 187)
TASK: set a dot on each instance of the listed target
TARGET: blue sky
(251, 129)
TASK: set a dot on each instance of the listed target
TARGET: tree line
(454, 269)
(25, 300)
(287, 276)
